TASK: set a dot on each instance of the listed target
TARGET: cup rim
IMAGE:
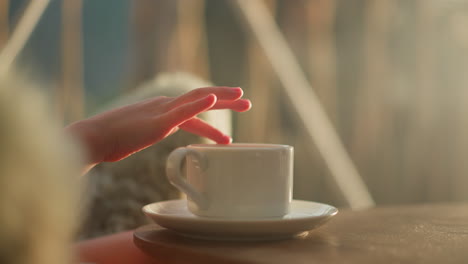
(238, 146)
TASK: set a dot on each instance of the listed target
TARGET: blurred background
(391, 76)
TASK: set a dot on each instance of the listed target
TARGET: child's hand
(116, 134)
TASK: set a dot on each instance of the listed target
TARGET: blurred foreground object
(39, 173)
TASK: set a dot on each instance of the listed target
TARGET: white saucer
(304, 217)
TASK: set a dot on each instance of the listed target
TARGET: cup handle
(174, 174)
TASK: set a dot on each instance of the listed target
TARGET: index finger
(221, 92)
(180, 114)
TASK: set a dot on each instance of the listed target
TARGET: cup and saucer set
(236, 192)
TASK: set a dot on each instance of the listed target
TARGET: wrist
(88, 137)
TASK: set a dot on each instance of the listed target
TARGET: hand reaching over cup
(118, 133)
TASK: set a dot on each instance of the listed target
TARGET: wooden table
(406, 234)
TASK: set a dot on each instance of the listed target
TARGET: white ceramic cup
(235, 180)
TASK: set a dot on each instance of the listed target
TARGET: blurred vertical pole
(261, 125)
(424, 154)
(153, 24)
(459, 51)
(188, 47)
(4, 23)
(166, 31)
(303, 23)
(425, 64)
(372, 119)
(372, 95)
(320, 19)
(71, 93)
(143, 35)
(168, 35)
(308, 29)
(322, 53)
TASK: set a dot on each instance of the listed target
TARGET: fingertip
(211, 99)
(225, 140)
(245, 105)
(238, 90)
(233, 93)
(211, 96)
